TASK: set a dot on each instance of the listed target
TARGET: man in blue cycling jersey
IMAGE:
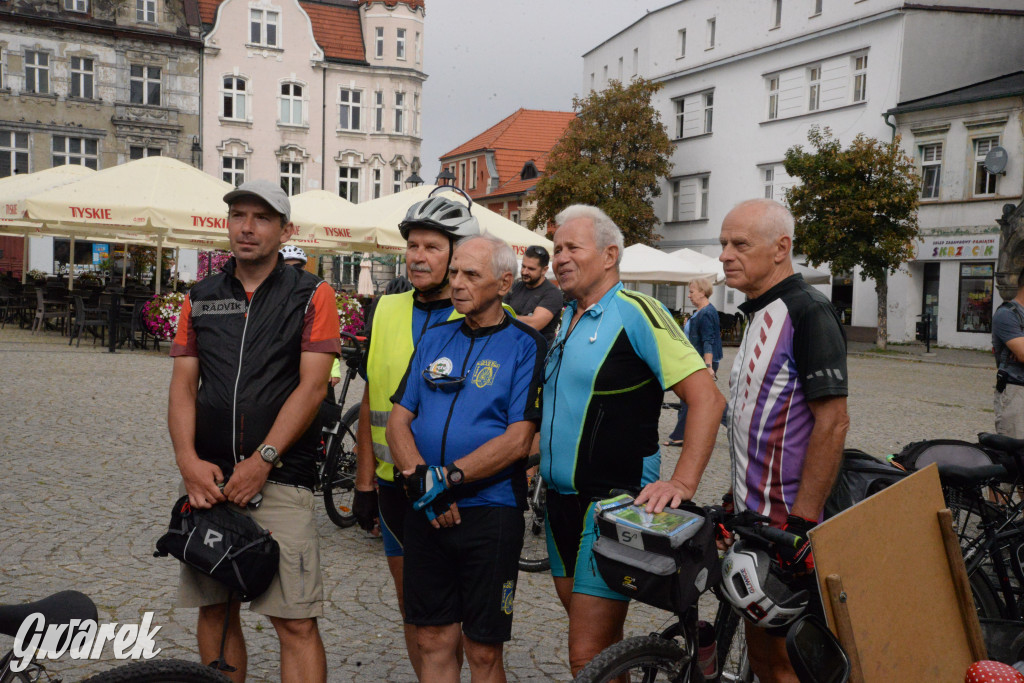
(605, 379)
(463, 419)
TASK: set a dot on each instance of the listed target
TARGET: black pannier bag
(222, 543)
(918, 455)
(667, 573)
(860, 477)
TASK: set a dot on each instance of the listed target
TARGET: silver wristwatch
(269, 454)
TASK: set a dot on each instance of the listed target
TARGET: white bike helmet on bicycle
(290, 251)
(451, 218)
(754, 591)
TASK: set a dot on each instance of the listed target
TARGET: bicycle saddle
(1001, 442)
(967, 476)
(59, 608)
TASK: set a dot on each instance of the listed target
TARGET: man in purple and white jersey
(787, 400)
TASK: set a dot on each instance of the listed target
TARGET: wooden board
(901, 602)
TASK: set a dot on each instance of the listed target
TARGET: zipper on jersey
(238, 456)
(554, 405)
(451, 406)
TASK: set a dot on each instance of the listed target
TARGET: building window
(773, 97)
(376, 183)
(144, 84)
(263, 27)
(620, 70)
(378, 111)
(76, 5)
(462, 175)
(860, 78)
(769, 183)
(984, 182)
(776, 13)
(348, 183)
(82, 77)
(817, 8)
(709, 104)
(142, 152)
(291, 177)
(379, 49)
(673, 207)
(931, 170)
(711, 33)
(814, 88)
(591, 80)
(514, 217)
(233, 170)
(396, 183)
(80, 151)
(37, 72)
(234, 98)
(13, 153)
(636, 61)
(145, 10)
(415, 113)
(680, 117)
(472, 174)
(705, 186)
(975, 302)
(400, 44)
(399, 112)
(604, 73)
(681, 42)
(416, 47)
(351, 108)
(291, 104)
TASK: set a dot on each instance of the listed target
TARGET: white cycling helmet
(290, 251)
(756, 592)
(442, 214)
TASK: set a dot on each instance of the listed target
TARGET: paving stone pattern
(89, 477)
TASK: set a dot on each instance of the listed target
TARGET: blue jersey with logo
(501, 367)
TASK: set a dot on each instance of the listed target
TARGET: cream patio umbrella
(384, 215)
(641, 263)
(700, 265)
(323, 220)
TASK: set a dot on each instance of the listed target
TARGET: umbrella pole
(177, 260)
(124, 266)
(71, 264)
(159, 256)
(24, 260)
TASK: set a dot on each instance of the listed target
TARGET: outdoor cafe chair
(92, 319)
(47, 310)
(7, 300)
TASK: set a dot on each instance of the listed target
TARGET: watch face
(455, 476)
(269, 453)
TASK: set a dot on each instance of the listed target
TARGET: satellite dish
(995, 160)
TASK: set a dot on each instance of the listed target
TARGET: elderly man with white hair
(463, 420)
(787, 403)
(616, 354)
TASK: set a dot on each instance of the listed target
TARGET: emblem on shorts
(483, 373)
(629, 582)
(442, 367)
(508, 593)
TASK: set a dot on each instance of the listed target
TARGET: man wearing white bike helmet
(787, 415)
(293, 255)
(397, 322)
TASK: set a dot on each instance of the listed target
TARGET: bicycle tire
(160, 671)
(654, 657)
(986, 603)
(534, 555)
(731, 641)
(339, 483)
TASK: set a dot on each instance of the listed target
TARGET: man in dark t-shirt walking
(535, 300)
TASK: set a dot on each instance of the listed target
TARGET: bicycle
(68, 608)
(671, 654)
(534, 556)
(336, 460)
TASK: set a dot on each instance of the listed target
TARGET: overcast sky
(487, 58)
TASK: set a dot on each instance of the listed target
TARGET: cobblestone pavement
(89, 477)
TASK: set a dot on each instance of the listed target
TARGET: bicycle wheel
(732, 648)
(157, 671)
(340, 470)
(642, 658)
(534, 556)
(985, 601)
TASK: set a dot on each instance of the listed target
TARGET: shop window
(974, 313)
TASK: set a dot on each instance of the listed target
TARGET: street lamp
(197, 152)
(446, 177)
(414, 180)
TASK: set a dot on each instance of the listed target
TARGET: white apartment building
(744, 80)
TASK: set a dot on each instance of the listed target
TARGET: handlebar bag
(655, 569)
(223, 543)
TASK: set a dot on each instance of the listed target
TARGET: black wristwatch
(455, 475)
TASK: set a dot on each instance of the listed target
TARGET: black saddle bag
(222, 543)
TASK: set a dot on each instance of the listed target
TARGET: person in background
(1008, 347)
(535, 300)
(704, 333)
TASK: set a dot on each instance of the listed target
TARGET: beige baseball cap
(269, 192)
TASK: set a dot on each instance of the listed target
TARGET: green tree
(611, 156)
(855, 207)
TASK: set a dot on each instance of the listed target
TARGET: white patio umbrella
(365, 284)
(384, 215)
(812, 276)
(641, 263)
(325, 221)
(700, 265)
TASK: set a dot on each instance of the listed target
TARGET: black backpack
(920, 454)
(860, 476)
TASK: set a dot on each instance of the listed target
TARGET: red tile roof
(414, 4)
(526, 135)
(336, 26)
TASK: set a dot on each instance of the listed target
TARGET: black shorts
(464, 574)
(392, 506)
(809, 583)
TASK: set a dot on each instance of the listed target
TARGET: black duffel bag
(860, 477)
(223, 543)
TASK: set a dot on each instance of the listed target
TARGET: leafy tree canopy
(612, 156)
